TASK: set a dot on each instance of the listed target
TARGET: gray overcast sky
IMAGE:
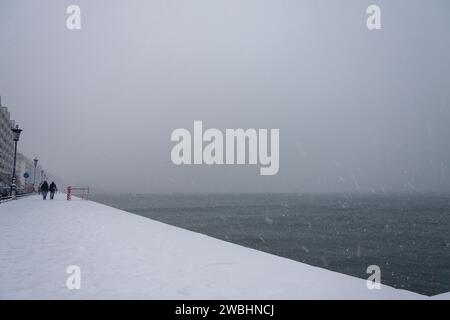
(357, 110)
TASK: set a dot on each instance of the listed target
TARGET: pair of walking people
(45, 188)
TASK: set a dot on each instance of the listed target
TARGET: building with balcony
(6, 146)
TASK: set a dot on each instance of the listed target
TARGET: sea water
(406, 235)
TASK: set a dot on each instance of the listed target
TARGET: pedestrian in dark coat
(44, 189)
(52, 190)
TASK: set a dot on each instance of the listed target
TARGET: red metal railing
(80, 192)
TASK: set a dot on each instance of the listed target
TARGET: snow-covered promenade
(122, 255)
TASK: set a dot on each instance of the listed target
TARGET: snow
(442, 296)
(125, 256)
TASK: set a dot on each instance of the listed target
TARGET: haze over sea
(406, 234)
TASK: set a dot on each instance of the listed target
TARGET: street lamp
(16, 136)
(34, 174)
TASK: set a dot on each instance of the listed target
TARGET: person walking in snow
(44, 189)
(52, 190)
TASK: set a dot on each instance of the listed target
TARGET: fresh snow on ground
(125, 256)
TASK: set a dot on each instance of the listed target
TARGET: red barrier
(82, 193)
(69, 193)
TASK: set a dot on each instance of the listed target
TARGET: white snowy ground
(124, 256)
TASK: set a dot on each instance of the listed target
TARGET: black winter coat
(52, 187)
(44, 187)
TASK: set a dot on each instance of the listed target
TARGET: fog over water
(357, 110)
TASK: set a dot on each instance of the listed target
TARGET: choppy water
(407, 235)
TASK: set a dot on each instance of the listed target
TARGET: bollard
(69, 193)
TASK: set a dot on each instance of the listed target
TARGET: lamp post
(35, 160)
(16, 136)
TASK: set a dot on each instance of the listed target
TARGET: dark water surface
(407, 235)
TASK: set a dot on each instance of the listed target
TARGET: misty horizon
(358, 111)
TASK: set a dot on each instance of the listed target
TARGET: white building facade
(6, 146)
